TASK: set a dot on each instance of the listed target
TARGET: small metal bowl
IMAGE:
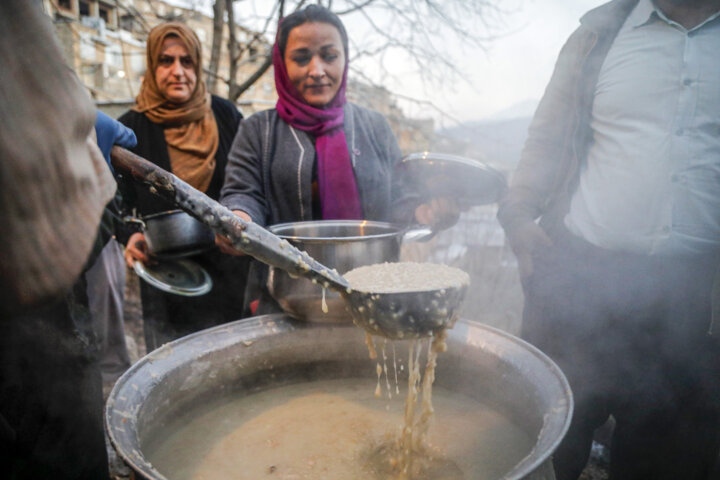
(175, 234)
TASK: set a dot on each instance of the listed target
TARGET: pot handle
(418, 233)
(131, 219)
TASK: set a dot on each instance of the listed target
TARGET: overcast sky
(516, 67)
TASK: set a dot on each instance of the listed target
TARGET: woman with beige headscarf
(185, 130)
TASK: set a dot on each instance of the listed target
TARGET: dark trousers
(50, 399)
(630, 332)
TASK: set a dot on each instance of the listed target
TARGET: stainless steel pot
(175, 233)
(339, 244)
(261, 352)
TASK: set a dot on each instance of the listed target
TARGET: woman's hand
(224, 243)
(440, 213)
(136, 249)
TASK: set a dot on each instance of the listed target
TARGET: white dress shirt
(651, 183)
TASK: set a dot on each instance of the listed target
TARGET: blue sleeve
(111, 132)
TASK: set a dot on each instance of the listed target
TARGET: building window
(104, 13)
(65, 4)
(84, 8)
(127, 22)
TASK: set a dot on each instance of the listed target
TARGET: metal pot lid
(181, 277)
(467, 181)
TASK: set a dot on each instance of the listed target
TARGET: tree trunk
(232, 51)
(218, 22)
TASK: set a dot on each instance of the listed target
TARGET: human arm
(546, 161)
(110, 132)
(244, 189)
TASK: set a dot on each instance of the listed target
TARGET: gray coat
(269, 170)
(560, 133)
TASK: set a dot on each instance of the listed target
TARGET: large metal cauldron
(265, 351)
(339, 244)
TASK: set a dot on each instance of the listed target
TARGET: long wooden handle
(250, 238)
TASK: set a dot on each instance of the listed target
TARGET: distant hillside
(526, 108)
(497, 140)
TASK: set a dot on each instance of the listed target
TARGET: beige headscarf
(191, 132)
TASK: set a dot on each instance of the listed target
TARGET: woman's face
(175, 72)
(315, 61)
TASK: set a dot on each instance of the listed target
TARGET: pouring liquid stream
(410, 454)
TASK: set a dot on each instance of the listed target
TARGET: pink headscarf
(339, 198)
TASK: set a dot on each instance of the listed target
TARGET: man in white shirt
(622, 167)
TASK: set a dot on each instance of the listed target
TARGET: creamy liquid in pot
(334, 430)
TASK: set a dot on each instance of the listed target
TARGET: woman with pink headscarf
(316, 156)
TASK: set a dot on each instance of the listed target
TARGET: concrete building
(104, 42)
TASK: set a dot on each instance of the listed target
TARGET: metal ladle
(401, 315)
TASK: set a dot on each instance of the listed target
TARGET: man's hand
(524, 241)
(224, 244)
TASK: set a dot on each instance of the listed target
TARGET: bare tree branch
(355, 8)
(254, 77)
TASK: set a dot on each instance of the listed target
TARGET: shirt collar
(643, 13)
(646, 11)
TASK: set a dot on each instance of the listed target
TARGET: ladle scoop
(393, 315)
